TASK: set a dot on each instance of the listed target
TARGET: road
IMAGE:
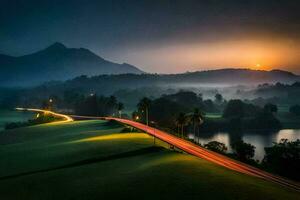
(206, 154)
(192, 149)
(65, 117)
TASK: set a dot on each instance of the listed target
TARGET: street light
(50, 104)
(152, 122)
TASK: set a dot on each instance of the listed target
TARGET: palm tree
(197, 119)
(181, 121)
(112, 104)
(144, 105)
(120, 108)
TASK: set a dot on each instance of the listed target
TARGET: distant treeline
(237, 115)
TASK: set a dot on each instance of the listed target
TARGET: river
(259, 139)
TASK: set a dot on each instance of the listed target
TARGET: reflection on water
(258, 139)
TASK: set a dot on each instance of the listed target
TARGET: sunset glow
(246, 53)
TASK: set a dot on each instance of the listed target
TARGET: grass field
(8, 116)
(213, 115)
(94, 160)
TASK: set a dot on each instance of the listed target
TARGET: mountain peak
(57, 45)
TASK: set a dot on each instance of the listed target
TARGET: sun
(258, 65)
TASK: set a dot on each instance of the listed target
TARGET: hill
(93, 159)
(105, 84)
(57, 62)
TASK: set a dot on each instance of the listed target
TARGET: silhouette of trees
(92, 105)
(143, 107)
(120, 108)
(270, 108)
(197, 119)
(234, 109)
(181, 121)
(283, 158)
(295, 109)
(218, 98)
(243, 151)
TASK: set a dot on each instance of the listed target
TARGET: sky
(160, 36)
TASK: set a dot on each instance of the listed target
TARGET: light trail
(191, 148)
(66, 117)
(206, 154)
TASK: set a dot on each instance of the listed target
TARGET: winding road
(190, 148)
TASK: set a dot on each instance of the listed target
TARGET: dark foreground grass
(93, 160)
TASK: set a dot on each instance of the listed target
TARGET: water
(7, 116)
(259, 139)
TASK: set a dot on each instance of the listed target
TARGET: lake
(259, 139)
(7, 116)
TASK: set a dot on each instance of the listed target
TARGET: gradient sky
(164, 36)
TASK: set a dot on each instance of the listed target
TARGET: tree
(243, 151)
(112, 104)
(143, 106)
(234, 109)
(196, 119)
(265, 120)
(270, 108)
(181, 121)
(218, 98)
(284, 158)
(120, 108)
(209, 105)
(216, 146)
(295, 109)
(164, 112)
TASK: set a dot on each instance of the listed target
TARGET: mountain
(57, 62)
(107, 84)
(213, 77)
(233, 76)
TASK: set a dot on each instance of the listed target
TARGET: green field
(213, 115)
(94, 160)
(8, 116)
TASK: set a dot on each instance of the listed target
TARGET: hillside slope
(92, 160)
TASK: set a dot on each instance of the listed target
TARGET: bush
(284, 158)
(216, 146)
(243, 151)
(129, 129)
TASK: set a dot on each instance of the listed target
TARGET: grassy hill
(94, 160)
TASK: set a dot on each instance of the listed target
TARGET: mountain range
(56, 62)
